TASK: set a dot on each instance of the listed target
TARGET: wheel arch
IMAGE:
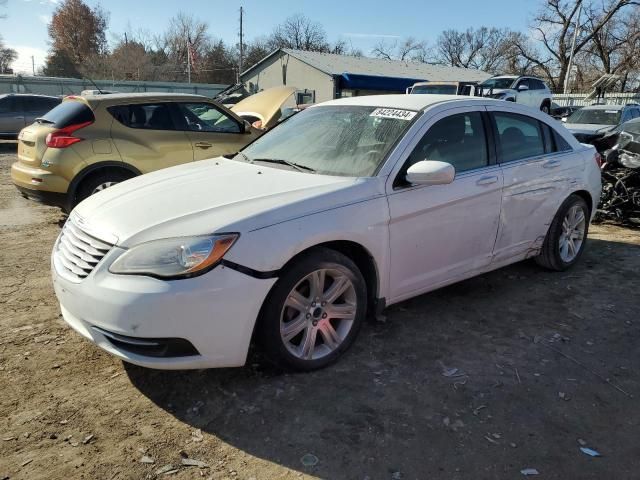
(95, 168)
(586, 196)
(363, 259)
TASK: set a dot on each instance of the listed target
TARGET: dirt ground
(546, 363)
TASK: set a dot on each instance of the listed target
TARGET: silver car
(19, 110)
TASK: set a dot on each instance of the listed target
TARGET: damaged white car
(342, 209)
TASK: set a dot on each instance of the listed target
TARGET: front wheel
(567, 235)
(314, 312)
(98, 182)
(545, 108)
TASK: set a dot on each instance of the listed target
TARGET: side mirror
(430, 172)
(522, 88)
(247, 126)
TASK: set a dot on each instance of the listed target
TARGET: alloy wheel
(103, 186)
(318, 314)
(572, 234)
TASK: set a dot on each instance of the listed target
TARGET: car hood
(208, 196)
(587, 128)
(265, 105)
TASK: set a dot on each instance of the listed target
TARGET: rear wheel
(314, 312)
(100, 181)
(567, 235)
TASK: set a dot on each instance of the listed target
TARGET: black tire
(88, 186)
(550, 257)
(545, 108)
(268, 329)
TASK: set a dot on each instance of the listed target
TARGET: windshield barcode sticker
(393, 113)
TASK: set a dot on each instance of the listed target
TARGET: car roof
(404, 101)
(115, 98)
(26, 95)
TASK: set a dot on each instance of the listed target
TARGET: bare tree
(487, 49)
(185, 34)
(300, 33)
(615, 48)
(555, 23)
(408, 49)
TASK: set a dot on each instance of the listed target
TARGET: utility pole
(573, 47)
(33, 65)
(189, 59)
(241, 48)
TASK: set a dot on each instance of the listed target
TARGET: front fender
(365, 223)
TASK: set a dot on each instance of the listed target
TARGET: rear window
(69, 113)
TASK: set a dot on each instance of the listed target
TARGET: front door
(212, 131)
(147, 137)
(441, 233)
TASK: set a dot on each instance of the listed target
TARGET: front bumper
(215, 313)
(40, 185)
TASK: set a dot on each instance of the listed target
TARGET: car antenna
(94, 84)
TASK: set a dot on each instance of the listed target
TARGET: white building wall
(298, 74)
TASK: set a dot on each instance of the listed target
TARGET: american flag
(193, 54)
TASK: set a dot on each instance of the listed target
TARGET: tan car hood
(265, 105)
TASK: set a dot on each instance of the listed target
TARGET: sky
(361, 23)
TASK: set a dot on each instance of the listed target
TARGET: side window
(205, 117)
(149, 116)
(10, 105)
(458, 139)
(519, 136)
(561, 144)
(39, 104)
(5, 107)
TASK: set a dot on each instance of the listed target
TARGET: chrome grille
(77, 253)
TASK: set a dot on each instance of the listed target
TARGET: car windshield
(595, 116)
(632, 126)
(344, 140)
(498, 82)
(435, 89)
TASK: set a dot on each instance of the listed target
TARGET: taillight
(598, 158)
(63, 138)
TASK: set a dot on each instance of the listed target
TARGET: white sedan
(346, 207)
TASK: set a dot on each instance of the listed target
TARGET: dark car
(19, 110)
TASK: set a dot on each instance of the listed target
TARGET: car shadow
(438, 390)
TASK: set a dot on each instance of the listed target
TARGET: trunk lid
(32, 140)
(32, 143)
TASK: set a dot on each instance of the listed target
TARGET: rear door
(11, 115)
(538, 168)
(147, 135)
(212, 131)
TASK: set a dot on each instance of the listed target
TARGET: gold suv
(89, 143)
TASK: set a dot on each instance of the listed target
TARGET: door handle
(551, 164)
(488, 180)
(204, 145)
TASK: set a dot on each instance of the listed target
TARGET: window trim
(492, 114)
(398, 184)
(183, 124)
(169, 105)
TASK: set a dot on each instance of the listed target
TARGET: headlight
(180, 257)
